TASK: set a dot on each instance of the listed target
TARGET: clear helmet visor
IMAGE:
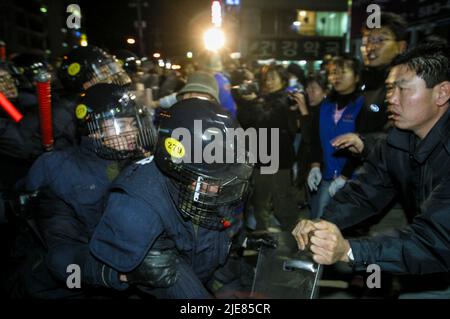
(119, 133)
(110, 72)
(130, 136)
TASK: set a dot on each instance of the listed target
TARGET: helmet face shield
(8, 85)
(122, 137)
(119, 134)
(84, 67)
(110, 72)
(210, 200)
(119, 128)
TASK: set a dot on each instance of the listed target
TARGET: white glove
(314, 178)
(336, 185)
(169, 100)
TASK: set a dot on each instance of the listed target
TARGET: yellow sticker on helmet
(174, 147)
(81, 111)
(73, 69)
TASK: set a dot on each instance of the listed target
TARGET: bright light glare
(83, 40)
(131, 41)
(214, 39)
(235, 55)
(189, 55)
(156, 55)
(216, 13)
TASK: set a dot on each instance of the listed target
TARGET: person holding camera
(308, 103)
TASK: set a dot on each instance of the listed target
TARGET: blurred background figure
(211, 62)
(269, 109)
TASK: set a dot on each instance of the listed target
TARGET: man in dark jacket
(413, 162)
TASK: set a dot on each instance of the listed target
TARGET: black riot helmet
(27, 66)
(129, 61)
(85, 66)
(120, 128)
(210, 188)
(8, 84)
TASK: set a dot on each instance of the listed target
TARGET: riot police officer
(84, 67)
(131, 63)
(73, 183)
(169, 221)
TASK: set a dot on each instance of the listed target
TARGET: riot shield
(285, 272)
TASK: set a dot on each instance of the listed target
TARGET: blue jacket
(140, 209)
(73, 184)
(225, 97)
(335, 162)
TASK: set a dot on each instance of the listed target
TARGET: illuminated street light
(214, 39)
(235, 55)
(43, 9)
(131, 41)
(83, 40)
(156, 55)
(189, 55)
(216, 13)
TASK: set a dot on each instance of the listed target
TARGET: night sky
(109, 23)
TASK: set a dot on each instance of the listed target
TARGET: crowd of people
(124, 199)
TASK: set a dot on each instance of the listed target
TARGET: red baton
(45, 109)
(2, 51)
(12, 111)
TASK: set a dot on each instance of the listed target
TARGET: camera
(243, 82)
(247, 88)
(290, 91)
